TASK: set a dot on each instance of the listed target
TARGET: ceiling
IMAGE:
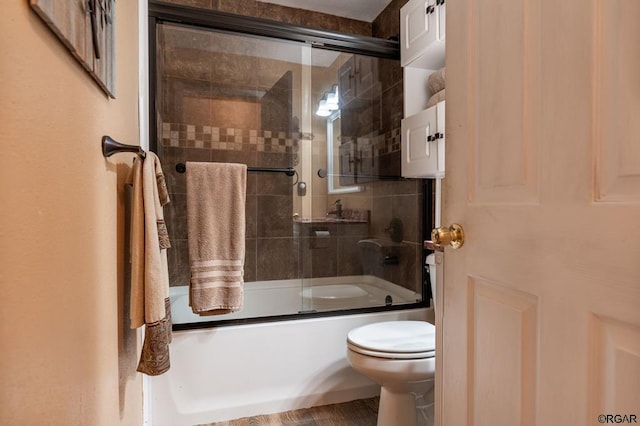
(362, 10)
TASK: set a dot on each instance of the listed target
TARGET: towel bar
(289, 171)
(111, 146)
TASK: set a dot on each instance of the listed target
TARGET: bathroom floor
(362, 412)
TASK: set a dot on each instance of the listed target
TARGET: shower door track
(212, 19)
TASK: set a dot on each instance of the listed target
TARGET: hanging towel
(136, 310)
(150, 277)
(216, 195)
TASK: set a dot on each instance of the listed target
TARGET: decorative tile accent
(192, 135)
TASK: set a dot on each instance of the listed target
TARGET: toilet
(401, 357)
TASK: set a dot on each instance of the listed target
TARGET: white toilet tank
(431, 262)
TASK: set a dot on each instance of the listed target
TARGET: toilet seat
(394, 340)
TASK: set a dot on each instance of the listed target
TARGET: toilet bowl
(400, 357)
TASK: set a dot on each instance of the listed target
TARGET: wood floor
(362, 412)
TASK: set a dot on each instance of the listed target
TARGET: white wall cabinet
(422, 51)
(423, 143)
(360, 101)
(356, 79)
(422, 33)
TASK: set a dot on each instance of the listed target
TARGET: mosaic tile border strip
(208, 137)
(199, 136)
(389, 142)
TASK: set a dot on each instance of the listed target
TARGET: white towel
(216, 196)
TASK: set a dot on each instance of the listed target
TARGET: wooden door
(540, 317)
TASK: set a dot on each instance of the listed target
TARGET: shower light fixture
(323, 108)
(332, 98)
(329, 102)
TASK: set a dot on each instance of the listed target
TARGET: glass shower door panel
(350, 259)
(234, 98)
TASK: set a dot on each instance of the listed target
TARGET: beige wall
(66, 356)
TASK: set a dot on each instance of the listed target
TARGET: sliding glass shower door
(343, 233)
(234, 98)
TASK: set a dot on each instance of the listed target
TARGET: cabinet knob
(430, 9)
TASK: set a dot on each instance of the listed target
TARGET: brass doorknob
(452, 235)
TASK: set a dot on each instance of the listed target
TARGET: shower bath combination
(230, 95)
(344, 251)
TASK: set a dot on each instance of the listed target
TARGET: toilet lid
(394, 339)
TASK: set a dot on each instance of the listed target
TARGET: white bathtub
(236, 371)
(286, 297)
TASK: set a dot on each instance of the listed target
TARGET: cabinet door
(420, 145)
(357, 77)
(441, 135)
(347, 164)
(366, 75)
(442, 15)
(347, 81)
(366, 162)
(418, 28)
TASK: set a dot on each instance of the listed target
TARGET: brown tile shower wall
(269, 235)
(329, 249)
(195, 128)
(387, 25)
(389, 200)
(401, 199)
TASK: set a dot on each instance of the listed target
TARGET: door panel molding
(502, 338)
(614, 367)
(616, 109)
(504, 72)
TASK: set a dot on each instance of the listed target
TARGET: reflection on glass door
(361, 245)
